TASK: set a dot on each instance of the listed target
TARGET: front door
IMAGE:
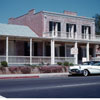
(79, 55)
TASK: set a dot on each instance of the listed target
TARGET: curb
(21, 76)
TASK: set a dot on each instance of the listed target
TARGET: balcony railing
(35, 59)
(63, 59)
(69, 35)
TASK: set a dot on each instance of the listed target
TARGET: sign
(84, 59)
(74, 51)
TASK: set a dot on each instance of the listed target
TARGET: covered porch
(18, 50)
(22, 50)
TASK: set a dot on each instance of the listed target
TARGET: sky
(15, 8)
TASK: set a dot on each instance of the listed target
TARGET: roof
(64, 15)
(16, 30)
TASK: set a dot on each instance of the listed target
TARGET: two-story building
(56, 37)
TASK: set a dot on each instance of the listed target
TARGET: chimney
(31, 12)
(70, 13)
(10, 20)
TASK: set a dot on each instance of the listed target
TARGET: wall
(66, 19)
(19, 48)
(34, 21)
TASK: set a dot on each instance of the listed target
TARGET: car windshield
(85, 63)
(91, 63)
(97, 64)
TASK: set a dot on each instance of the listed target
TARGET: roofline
(61, 14)
(56, 39)
(27, 14)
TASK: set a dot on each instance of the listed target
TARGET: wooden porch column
(76, 55)
(7, 49)
(87, 33)
(56, 30)
(52, 51)
(87, 51)
(30, 51)
(72, 31)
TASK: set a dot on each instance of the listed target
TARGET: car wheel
(85, 73)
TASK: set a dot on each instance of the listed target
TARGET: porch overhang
(11, 30)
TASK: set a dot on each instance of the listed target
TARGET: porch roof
(16, 30)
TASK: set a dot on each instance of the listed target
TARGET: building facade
(60, 37)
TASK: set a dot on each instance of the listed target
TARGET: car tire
(85, 72)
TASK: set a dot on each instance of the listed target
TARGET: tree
(97, 23)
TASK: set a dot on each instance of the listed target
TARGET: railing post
(30, 51)
(7, 49)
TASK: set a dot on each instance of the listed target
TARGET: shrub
(3, 69)
(50, 69)
(66, 64)
(59, 63)
(25, 70)
(48, 63)
(71, 64)
(42, 63)
(33, 66)
(13, 69)
(4, 64)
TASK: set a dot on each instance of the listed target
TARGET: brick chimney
(10, 20)
(31, 12)
(70, 13)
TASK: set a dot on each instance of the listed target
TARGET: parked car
(87, 68)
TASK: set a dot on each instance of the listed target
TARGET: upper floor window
(52, 26)
(86, 29)
(70, 27)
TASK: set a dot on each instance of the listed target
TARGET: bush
(59, 63)
(33, 66)
(71, 64)
(3, 69)
(4, 64)
(50, 69)
(42, 63)
(25, 70)
(66, 64)
(13, 69)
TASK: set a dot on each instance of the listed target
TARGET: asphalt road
(62, 87)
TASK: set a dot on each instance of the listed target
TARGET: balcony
(71, 36)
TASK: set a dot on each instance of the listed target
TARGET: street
(60, 87)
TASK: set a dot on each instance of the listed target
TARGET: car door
(96, 68)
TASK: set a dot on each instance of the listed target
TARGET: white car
(86, 69)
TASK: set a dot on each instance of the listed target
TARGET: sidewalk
(44, 75)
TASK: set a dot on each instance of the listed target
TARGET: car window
(97, 64)
(85, 63)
